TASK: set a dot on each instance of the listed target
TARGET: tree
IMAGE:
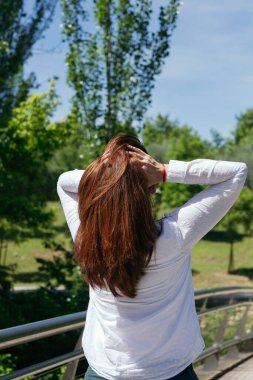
(241, 149)
(156, 135)
(28, 141)
(238, 148)
(244, 127)
(27, 137)
(113, 70)
(243, 153)
(61, 269)
(238, 220)
(184, 144)
(18, 33)
(166, 139)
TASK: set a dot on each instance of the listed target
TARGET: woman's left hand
(152, 169)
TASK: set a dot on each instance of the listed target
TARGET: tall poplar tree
(27, 137)
(113, 69)
(19, 31)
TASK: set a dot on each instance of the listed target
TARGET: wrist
(164, 172)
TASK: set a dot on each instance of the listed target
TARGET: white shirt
(156, 335)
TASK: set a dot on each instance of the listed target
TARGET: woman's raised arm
(67, 186)
(202, 212)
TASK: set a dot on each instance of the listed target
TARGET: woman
(141, 320)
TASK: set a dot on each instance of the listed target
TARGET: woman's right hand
(152, 168)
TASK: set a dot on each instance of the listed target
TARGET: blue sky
(206, 81)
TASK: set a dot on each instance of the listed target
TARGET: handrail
(220, 347)
(45, 328)
(212, 292)
(221, 289)
(36, 330)
(222, 308)
(53, 363)
(31, 331)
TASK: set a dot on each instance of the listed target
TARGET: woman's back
(156, 334)
(144, 337)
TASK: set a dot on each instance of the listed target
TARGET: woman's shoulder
(168, 227)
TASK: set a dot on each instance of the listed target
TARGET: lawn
(210, 262)
(209, 257)
(25, 253)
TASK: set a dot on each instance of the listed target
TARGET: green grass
(24, 254)
(209, 257)
(210, 263)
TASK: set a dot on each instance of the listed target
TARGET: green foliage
(210, 325)
(62, 269)
(244, 127)
(27, 137)
(18, 33)
(6, 277)
(29, 134)
(59, 270)
(239, 148)
(156, 136)
(185, 144)
(28, 141)
(50, 303)
(243, 153)
(25, 307)
(56, 374)
(159, 129)
(7, 363)
(68, 156)
(166, 139)
(238, 220)
(112, 70)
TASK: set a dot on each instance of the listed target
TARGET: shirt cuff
(176, 171)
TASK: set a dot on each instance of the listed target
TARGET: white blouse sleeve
(67, 186)
(202, 212)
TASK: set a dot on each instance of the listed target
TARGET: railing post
(203, 306)
(241, 327)
(248, 346)
(70, 372)
(233, 352)
(211, 363)
(219, 338)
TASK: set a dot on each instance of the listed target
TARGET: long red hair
(117, 233)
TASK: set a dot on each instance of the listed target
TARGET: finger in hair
(135, 149)
(136, 155)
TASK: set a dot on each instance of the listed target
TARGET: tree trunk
(5, 253)
(1, 250)
(231, 258)
(108, 58)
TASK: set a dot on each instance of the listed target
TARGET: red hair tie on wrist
(164, 172)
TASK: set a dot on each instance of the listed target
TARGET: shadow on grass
(46, 234)
(29, 277)
(247, 272)
(195, 271)
(223, 236)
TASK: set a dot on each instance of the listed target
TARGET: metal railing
(238, 307)
(208, 302)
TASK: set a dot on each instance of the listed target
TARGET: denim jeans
(187, 374)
